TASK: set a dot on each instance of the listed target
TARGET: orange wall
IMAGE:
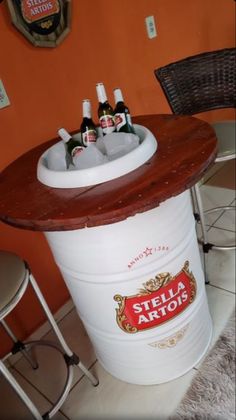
(107, 42)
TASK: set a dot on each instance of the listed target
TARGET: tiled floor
(114, 399)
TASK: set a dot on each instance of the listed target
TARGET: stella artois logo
(118, 119)
(106, 121)
(161, 299)
(33, 10)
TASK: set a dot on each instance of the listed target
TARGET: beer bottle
(87, 128)
(72, 146)
(105, 111)
(122, 114)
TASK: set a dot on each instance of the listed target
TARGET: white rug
(211, 395)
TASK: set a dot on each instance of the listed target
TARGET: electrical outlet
(151, 27)
(4, 100)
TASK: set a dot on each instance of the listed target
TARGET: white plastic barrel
(138, 287)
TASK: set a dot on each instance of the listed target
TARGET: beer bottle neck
(65, 136)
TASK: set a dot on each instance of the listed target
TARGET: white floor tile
(115, 399)
(77, 338)
(221, 264)
(227, 219)
(219, 190)
(216, 195)
(51, 374)
(213, 196)
(12, 408)
(221, 304)
(50, 377)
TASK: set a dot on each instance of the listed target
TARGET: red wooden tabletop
(187, 147)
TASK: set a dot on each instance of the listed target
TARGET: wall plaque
(45, 23)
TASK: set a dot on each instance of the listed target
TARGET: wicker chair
(197, 84)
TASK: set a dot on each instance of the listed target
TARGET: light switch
(151, 27)
(4, 100)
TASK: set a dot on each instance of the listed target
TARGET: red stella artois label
(106, 121)
(89, 137)
(162, 299)
(76, 151)
(33, 10)
(119, 118)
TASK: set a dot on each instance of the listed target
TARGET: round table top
(187, 147)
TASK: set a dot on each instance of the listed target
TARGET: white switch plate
(4, 100)
(151, 27)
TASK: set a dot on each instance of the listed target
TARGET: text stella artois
(161, 305)
(154, 307)
(41, 16)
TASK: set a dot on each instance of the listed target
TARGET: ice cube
(72, 167)
(56, 160)
(89, 157)
(119, 144)
(100, 145)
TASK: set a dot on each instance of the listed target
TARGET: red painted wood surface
(187, 147)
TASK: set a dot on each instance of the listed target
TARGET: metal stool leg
(206, 246)
(194, 204)
(19, 346)
(10, 378)
(71, 357)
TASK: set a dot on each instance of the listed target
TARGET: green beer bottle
(87, 128)
(122, 114)
(105, 111)
(72, 146)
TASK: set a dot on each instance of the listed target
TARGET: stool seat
(13, 278)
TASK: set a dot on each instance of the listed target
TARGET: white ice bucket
(105, 172)
(138, 287)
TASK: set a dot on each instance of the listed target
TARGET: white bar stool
(15, 276)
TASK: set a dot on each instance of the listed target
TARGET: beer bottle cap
(65, 136)
(118, 95)
(86, 105)
(101, 93)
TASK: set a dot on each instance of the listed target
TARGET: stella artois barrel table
(128, 251)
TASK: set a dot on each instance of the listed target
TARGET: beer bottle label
(107, 124)
(76, 151)
(88, 137)
(122, 119)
